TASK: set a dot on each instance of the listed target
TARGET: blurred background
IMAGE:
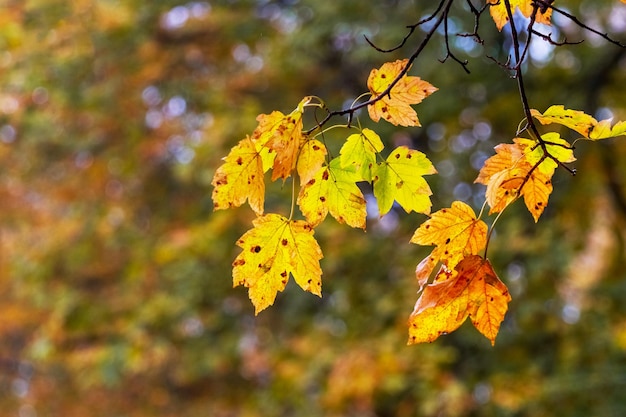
(116, 294)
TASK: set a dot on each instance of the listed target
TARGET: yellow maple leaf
(274, 248)
(311, 158)
(455, 232)
(580, 122)
(500, 15)
(400, 178)
(333, 189)
(395, 107)
(240, 178)
(282, 137)
(555, 147)
(473, 290)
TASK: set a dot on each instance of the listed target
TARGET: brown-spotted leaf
(580, 122)
(395, 107)
(500, 15)
(333, 190)
(474, 291)
(311, 159)
(455, 232)
(240, 178)
(519, 169)
(274, 248)
(282, 136)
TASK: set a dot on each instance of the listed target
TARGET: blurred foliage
(115, 287)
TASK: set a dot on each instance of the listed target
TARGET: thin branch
(545, 4)
(410, 32)
(548, 38)
(449, 53)
(354, 108)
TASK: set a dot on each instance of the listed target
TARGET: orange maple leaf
(472, 290)
(500, 15)
(516, 170)
(281, 135)
(240, 178)
(455, 232)
(395, 106)
(274, 248)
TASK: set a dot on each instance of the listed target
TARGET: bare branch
(545, 4)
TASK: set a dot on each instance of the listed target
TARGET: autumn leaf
(311, 159)
(240, 178)
(274, 248)
(333, 189)
(500, 15)
(472, 290)
(395, 107)
(455, 232)
(281, 135)
(519, 169)
(556, 149)
(400, 178)
(360, 150)
(580, 122)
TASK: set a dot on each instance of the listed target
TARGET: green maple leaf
(400, 178)
(360, 150)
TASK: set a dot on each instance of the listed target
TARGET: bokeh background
(116, 297)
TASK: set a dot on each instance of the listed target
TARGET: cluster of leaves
(465, 284)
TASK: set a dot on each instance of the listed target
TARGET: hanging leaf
(400, 178)
(500, 15)
(580, 122)
(555, 147)
(312, 157)
(509, 175)
(455, 232)
(333, 189)
(274, 248)
(360, 150)
(472, 290)
(281, 135)
(240, 178)
(395, 107)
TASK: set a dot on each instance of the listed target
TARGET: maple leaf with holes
(281, 136)
(333, 189)
(500, 16)
(455, 232)
(580, 122)
(471, 290)
(400, 178)
(274, 248)
(360, 150)
(395, 106)
(240, 178)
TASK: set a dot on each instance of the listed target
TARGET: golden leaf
(473, 290)
(282, 136)
(274, 248)
(240, 178)
(500, 15)
(395, 106)
(333, 189)
(455, 232)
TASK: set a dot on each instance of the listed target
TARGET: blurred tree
(115, 288)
